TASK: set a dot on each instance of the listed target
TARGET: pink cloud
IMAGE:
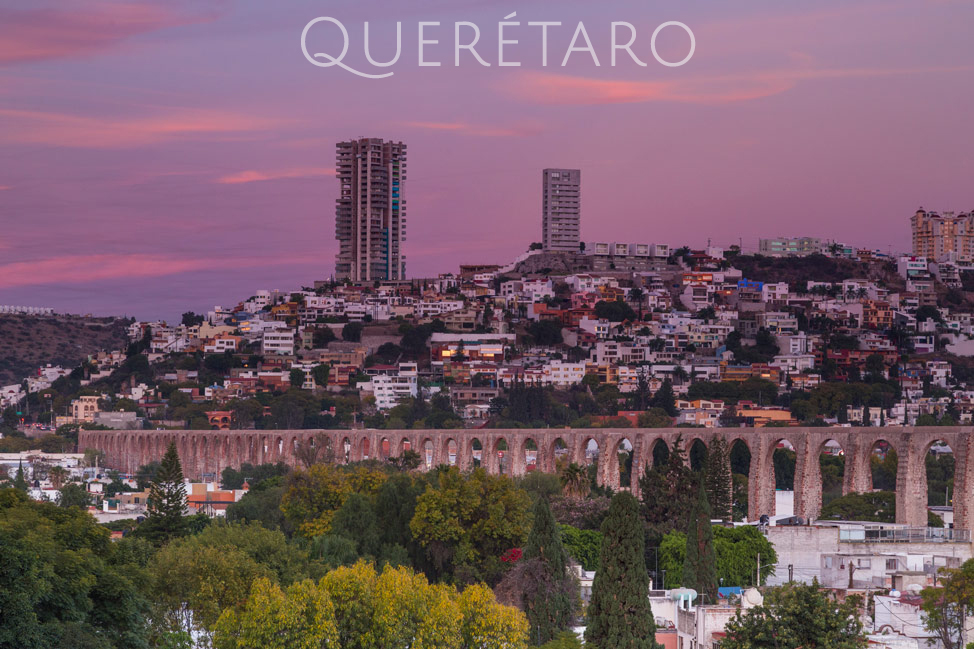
(78, 269)
(4, 188)
(548, 88)
(463, 128)
(253, 176)
(44, 34)
(59, 129)
(89, 268)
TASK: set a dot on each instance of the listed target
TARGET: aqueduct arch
(209, 452)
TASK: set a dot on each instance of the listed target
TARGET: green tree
(619, 614)
(551, 607)
(565, 639)
(798, 615)
(667, 493)
(878, 506)
(615, 311)
(699, 567)
(73, 495)
(665, 398)
(718, 479)
(655, 418)
(947, 606)
(64, 583)
(582, 545)
(355, 520)
(546, 332)
(321, 374)
(574, 481)
(352, 332)
(297, 377)
(20, 482)
(736, 550)
(191, 319)
(466, 522)
(166, 511)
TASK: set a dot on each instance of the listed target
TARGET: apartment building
(278, 341)
(83, 409)
(370, 212)
(561, 209)
(391, 389)
(939, 235)
(790, 246)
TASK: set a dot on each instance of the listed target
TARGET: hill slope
(27, 342)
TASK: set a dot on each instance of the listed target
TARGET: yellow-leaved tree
(312, 496)
(302, 617)
(361, 608)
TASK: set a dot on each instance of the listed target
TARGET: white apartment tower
(560, 209)
(370, 212)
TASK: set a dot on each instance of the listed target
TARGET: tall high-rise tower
(561, 209)
(370, 212)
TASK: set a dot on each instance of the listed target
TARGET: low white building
(278, 341)
(390, 390)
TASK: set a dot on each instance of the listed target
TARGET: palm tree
(575, 482)
(58, 475)
(636, 295)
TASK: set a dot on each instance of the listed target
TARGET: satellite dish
(914, 588)
(894, 593)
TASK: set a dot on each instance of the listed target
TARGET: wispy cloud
(44, 34)
(463, 128)
(81, 269)
(549, 88)
(4, 188)
(89, 268)
(253, 176)
(60, 129)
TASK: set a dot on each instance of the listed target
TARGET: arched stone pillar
(641, 458)
(516, 448)
(610, 471)
(760, 479)
(808, 475)
(911, 482)
(489, 459)
(858, 476)
(464, 459)
(963, 500)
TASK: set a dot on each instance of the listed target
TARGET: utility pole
(758, 584)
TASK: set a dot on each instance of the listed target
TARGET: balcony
(877, 534)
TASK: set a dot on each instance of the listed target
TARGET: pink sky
(158, 157)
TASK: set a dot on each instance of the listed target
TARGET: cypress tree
(165, 515)
(550, 608)
(700, 565)
(667, 493)
(665, 398)
(20, 482)
(619, 614)
(718, 477)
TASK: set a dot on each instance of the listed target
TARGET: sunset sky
(157, 157)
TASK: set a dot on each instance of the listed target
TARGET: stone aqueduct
(210, 451)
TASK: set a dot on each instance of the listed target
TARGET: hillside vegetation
(27, 342)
